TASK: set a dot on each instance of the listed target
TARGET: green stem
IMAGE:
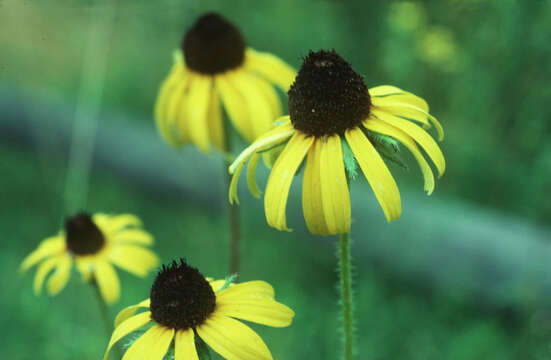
(347, 304)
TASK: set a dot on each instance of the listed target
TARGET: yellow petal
(279, 182)
(250, 290)
(381, 127)
(251, 176)
(272, 138)
(410, 112)
(129, 311)
(233, 195)
(419, 135)
(184, 345)
(176, 79)
(267, 91)
(376, 173)
(215, 122)
(260, 117)
(271, 67)
(115, 223)
(134, 259)
(126, 327)
(152, 345)
(107, 280)
(232, 339)
(133, 236)
(396, 95)
(59, 278)
(43, 269)
(235, 106)
(48, 247)
(177, 112)
(85, 267)
(265, 312)
(334, 186)
(196, 112)
(312, 206)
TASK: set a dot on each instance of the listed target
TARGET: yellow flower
(331, 113)
(183, 304)
(215, 65)
(94, 244)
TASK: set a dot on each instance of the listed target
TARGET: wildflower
(334, 118)
(183, 304)
(215, 65)
(94, 243)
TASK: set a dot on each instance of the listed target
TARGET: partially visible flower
(94, 244)
(183, 304)
(333, 114)
(215, 65)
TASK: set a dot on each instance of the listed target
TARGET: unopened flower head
(94, 244)
(216, 69)
(336, 122)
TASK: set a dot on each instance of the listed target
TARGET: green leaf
(349, 160)
(202, 349)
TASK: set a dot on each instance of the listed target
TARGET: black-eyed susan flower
(184, 305)
(333, 113)
(216, 69)
(94, 244)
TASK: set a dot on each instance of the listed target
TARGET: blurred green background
(464, 274)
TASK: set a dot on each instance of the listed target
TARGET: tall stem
(347, 303)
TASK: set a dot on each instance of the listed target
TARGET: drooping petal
(312, 206)
(251, 176)
(250, 290)
(196, 111)
(115, 223)
(59, 278)
(266, 312)
(397, 95)
(134, 259)
(267, 91)
(271, 139)
(133, 236)
(48, 247)
(271, 67)
(419, 135)
(381, 127)
(152, 345)
(376, 173)
(108, 281)
(334, 186)
(215, 120)
(129, 311)
(232, 339)
(126, 327)
(85, 267)
(184, 345)
(233, 195)
(279, 181)
(235, 106)
(177, 78)
(43, 270)
(260, 117)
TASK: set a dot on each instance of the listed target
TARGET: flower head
(184, 304)
(331, 114)
(94, 243)
(214, 68)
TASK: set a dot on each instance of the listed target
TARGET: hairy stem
(347, 304)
